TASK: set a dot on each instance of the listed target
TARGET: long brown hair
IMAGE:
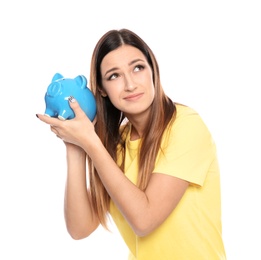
(109, 118)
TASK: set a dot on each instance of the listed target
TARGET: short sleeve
(188, 149)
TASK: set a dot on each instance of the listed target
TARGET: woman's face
(127, 80)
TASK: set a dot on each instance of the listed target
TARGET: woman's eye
(113, 76)
(138, 68)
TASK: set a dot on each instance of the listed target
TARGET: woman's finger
(49, 120)
(54, 130)
(75, 107)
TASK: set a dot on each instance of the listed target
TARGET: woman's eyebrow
(110, 70)
(134, 61)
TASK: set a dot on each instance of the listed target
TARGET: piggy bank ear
(57, 76)
(81, 81)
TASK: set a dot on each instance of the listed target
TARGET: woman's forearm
(131, 201)
(79, 217)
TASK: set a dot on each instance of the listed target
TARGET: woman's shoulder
(184, 110)
(187, 117)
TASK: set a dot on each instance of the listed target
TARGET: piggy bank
(58, 92)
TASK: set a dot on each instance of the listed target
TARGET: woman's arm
(79, 217)
(144, 210)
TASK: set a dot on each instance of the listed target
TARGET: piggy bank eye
(54, 89)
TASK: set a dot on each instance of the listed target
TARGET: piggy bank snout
(54, 89)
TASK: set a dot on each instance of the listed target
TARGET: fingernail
(71, 99)
(37, 116)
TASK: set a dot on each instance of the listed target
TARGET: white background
(210, 59)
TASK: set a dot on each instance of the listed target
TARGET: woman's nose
(129, 83)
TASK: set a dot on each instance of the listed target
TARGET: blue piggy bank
(58, 92)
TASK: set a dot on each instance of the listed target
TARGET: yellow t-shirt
(193, 231)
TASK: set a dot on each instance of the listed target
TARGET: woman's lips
(134, 97)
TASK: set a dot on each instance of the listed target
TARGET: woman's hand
(75, 131)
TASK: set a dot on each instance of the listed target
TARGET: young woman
(152, 163)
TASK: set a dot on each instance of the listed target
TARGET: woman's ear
(103, 93)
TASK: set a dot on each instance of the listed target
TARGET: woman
(152, 163)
